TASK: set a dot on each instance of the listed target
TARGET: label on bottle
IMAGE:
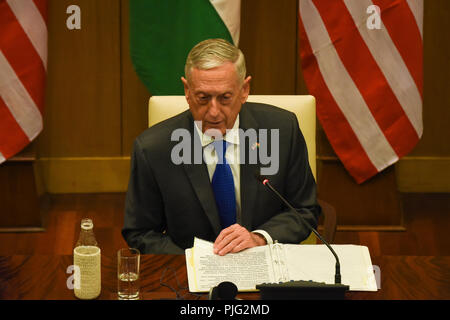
(88, 259)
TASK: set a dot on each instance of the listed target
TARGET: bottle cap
(87, 224)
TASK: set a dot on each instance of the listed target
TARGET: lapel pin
(255, 145)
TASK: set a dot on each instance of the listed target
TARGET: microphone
(337, 277)
(223, 291)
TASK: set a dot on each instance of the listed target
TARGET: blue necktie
(223, 187)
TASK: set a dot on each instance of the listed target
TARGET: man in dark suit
(197, 187)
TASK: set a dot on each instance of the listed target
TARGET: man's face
(215, 96)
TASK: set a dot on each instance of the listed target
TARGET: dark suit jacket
(167, 205)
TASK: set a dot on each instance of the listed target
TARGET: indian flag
(162, 32)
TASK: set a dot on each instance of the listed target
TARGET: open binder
(278, 263)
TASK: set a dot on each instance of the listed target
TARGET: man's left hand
(236, 238)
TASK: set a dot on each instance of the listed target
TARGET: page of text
(245, 269)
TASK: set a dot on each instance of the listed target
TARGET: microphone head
(227, 290)
(261, 178)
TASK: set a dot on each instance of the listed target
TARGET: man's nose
(214, 107)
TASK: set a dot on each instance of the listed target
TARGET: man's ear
(245, 91)
(186, 88)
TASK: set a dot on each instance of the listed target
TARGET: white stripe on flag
(350, 102)
(33, 24)
(230, 13)
(18, 100)
(416, 7)
(390, 62)
(2, 158)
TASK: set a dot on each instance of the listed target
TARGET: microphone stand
(305, 289)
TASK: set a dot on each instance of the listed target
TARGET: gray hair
(213, 53)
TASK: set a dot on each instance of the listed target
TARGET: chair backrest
(304, 107)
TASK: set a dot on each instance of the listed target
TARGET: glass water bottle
(86, 259)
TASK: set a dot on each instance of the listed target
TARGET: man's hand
(236, 238)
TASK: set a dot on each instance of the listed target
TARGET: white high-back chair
(304, 107)
(163, 107)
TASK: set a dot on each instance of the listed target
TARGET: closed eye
(203, 99)
(225, 98)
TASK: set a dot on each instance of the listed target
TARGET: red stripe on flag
(367, 76)
(404, 32)
(13, 139)
(341, 135)
(42, 7)
(21, 55)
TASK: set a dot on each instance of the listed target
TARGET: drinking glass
(128, 261)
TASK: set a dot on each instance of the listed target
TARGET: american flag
(367, 78)
(23, 63)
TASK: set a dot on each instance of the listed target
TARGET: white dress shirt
(232, 157)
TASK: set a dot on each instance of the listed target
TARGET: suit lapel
(248, 182)
(198, 175)
(199, 178)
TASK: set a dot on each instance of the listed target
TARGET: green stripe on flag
(161, 34)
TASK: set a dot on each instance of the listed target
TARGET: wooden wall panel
(374, 205)
(436, 108)
(134, 93)
(268, 41)
(427, 167)
(82, 116)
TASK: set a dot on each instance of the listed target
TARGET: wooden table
(45, 277)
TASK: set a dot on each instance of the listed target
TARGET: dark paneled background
(96, 105)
